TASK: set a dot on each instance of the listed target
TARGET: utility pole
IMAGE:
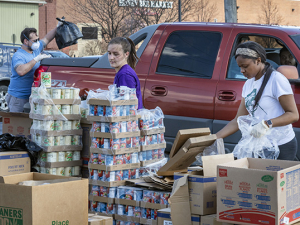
(230, 11)
(179, 10)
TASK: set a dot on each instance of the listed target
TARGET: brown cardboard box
(153, 131)
(254, 191)
(100, 220)
(86, 139)
(186, 155)
(164, 218)
(183, 135)
(211, 220)
(18, 124)
(154, 146)
(57, 203)
(195, 192)
(114, 167)
(14, 163)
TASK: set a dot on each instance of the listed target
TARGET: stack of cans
(59, 137)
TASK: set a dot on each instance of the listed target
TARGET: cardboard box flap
(16, 178)
(241, 163)
(180, 202)
(210, 163)
(183, 135)
(12, 114)
(186, 155)
(270, 164)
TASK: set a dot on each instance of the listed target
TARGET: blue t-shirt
(20, 86)
(126, 76)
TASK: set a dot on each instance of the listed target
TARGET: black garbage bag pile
(9, 142)
(67, 34)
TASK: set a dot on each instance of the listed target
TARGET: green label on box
(282, 183)
(267, 178)
(11, 216)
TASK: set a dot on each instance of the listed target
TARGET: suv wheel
(3, 93)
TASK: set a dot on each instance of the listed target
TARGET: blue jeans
(15, 104)
(288, 151)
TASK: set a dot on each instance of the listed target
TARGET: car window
(190, 53)
(276, 52)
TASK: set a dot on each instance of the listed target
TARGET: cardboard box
(154, 146)
(127, 218)
(211, 220)
(186, 155)
(101, 199)
(60, 164)
(56, 132)
(55, 101)
(115, 152)
(55, 117)
(57, 203)
(86, 139)
(164, 218)
(62, 148)
(115, 135)
(14, 163)
(153, 131)
(18, 124)
(114, 167)
(108, 183)
(258, 191)
(100, 220)
(111, 119)
(183, 135)
(148, 162)
(95, 101)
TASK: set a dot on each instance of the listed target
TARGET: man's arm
(50, 36)
(23, 69)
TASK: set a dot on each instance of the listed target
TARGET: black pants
(288, 151)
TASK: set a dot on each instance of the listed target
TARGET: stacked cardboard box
(56, 128)
(95, 219)
(14, 162)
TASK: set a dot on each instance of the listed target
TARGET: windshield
(296, 39)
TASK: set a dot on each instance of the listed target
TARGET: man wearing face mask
(24, 63)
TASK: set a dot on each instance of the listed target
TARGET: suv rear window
(190, 53)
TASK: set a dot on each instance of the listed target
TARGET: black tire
(3, 103)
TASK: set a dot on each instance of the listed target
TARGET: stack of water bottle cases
(119, 153)
(56, 128)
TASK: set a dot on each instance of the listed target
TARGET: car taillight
(37, 74)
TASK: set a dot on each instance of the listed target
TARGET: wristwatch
(269, 123)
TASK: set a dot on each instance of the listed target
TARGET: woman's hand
(259, 130)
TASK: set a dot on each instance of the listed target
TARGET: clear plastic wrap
(265, 147)
(217, 148)
(151, 119)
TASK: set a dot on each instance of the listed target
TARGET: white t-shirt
(268, 106)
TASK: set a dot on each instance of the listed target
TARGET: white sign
(168, 222)
(147, 4)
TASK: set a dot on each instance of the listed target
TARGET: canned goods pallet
(114, 167)
(112, 119)
(94, 101)
(155, 146)
(115, 152)
(115, 135)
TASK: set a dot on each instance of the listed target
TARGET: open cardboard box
(187, 154)
(56, 203)
(195, 192)
(252, 191)
(18, 124)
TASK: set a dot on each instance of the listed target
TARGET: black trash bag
(67, 34)
(9, 142)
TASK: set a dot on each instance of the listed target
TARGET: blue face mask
(35, 45)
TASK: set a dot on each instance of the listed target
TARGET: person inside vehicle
(267, 94)
(122, 57)
(23, 65)
(286, 57)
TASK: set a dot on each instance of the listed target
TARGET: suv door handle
(226, 95)
(159, 91)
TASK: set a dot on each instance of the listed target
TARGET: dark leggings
(288, 151)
